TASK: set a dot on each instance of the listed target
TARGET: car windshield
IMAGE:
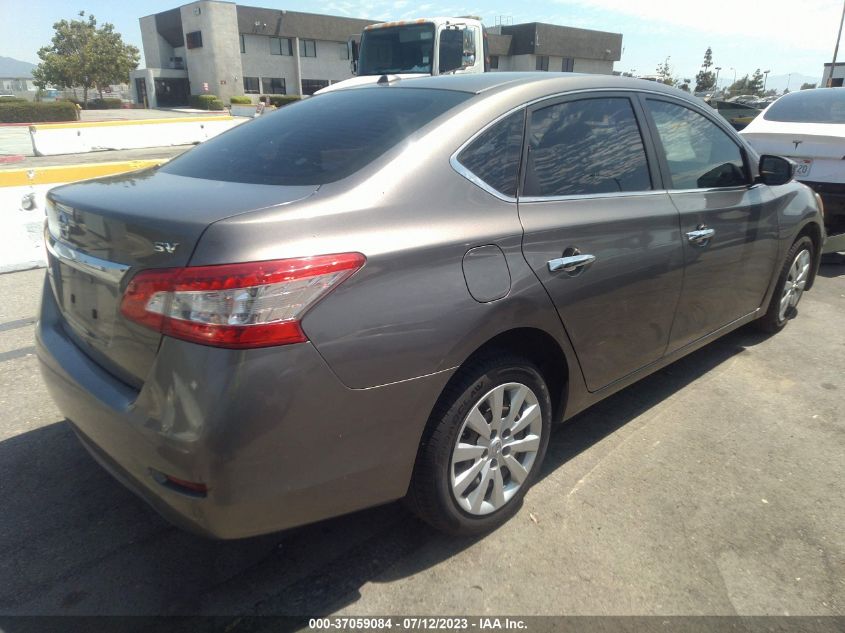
(823, 105)
(397, 49)
(320, 140)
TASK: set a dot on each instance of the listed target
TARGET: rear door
(600, 233)
(729, 226)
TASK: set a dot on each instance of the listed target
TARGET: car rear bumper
(833, 197)
(277, 439)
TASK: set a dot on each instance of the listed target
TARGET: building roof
(539, 38)
(283, 23)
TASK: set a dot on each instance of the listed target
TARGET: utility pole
(836, 49)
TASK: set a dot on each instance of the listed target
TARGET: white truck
(416, 48)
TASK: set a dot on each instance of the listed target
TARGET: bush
(281, 100)
(240, 100)
(216, 104)
(11, 99)
(30, 112)
(109, 103)
(204, 102)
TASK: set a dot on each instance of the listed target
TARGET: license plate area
(89, 304)
(803, 167)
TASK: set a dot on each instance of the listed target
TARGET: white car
(809, 127)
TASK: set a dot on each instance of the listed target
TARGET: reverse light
(256, 304)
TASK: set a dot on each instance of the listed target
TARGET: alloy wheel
(496, 448)
(796, 281)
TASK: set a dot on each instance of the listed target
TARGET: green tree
(755, 84)
(664, 71)
(741, 86)
(705, 80)
(82, 55)
(808, 86)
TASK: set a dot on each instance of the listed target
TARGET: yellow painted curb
(71, 173)
(83, 124)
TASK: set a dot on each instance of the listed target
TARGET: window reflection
(699, 153)
(586, 147)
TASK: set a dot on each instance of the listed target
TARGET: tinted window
(825, 105)
(494, 156)
(586, 147)
(699, 153)
(318, 140)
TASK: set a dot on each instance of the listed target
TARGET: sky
(783, 36)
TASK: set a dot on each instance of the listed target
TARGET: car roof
(533, 82)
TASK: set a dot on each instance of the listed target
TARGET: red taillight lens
(257, 304)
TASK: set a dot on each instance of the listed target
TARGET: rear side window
(586, 147)
(320, 140)
(494, 156)
(699, 153)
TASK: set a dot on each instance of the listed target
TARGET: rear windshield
(824, 105)
(319, 140)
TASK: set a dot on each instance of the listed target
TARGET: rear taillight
(257, 304)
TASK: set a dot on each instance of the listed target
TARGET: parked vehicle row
(395, 290)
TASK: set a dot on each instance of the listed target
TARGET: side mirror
(451, 51)
(776, 170)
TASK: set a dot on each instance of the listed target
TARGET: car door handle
(701, 236)
(571, 264)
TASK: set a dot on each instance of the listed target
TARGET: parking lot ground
(712, 487)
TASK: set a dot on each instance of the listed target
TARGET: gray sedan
(394, 291)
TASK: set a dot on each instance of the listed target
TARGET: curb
(71, 173)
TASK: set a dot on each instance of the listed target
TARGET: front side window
(586, 147)
(397, 49)
(250, 85)
(542, 62)
(316, 141)
(700, 155)
(280, 46)
(494, 156)
(307, 48)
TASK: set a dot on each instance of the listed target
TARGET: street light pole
(734, 82)
(765, 79)
(836, 48)
(718, 68)
(788, 79)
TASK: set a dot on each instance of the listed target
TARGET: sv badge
(165, 247)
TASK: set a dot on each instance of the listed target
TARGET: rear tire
(790, 286)
(483, 447)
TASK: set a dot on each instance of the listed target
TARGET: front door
(599, 233)
(729, 228)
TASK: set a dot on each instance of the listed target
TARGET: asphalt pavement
(714, 487)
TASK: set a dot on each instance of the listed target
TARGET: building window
(193, 39)
(307, 48)
(251, 85)
(243, 44)
(310, 86)
(273, 86)
(344, 51)
(494, 62)
(280, 46)
(568, 65)
(542, 62)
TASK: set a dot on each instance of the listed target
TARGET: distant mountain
(778, 82)
(15, 68)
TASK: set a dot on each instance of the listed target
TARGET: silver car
(394, 291)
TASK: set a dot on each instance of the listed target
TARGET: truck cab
(416, 48)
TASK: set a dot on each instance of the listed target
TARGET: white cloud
(808, 25)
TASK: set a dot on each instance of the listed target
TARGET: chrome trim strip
(466, 173)
(94, 266)
(592, 196)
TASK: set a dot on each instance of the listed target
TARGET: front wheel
(483, 447)
(790, 286)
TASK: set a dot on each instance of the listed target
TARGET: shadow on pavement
(74, 541)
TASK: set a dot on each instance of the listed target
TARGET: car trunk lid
(102, 232)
